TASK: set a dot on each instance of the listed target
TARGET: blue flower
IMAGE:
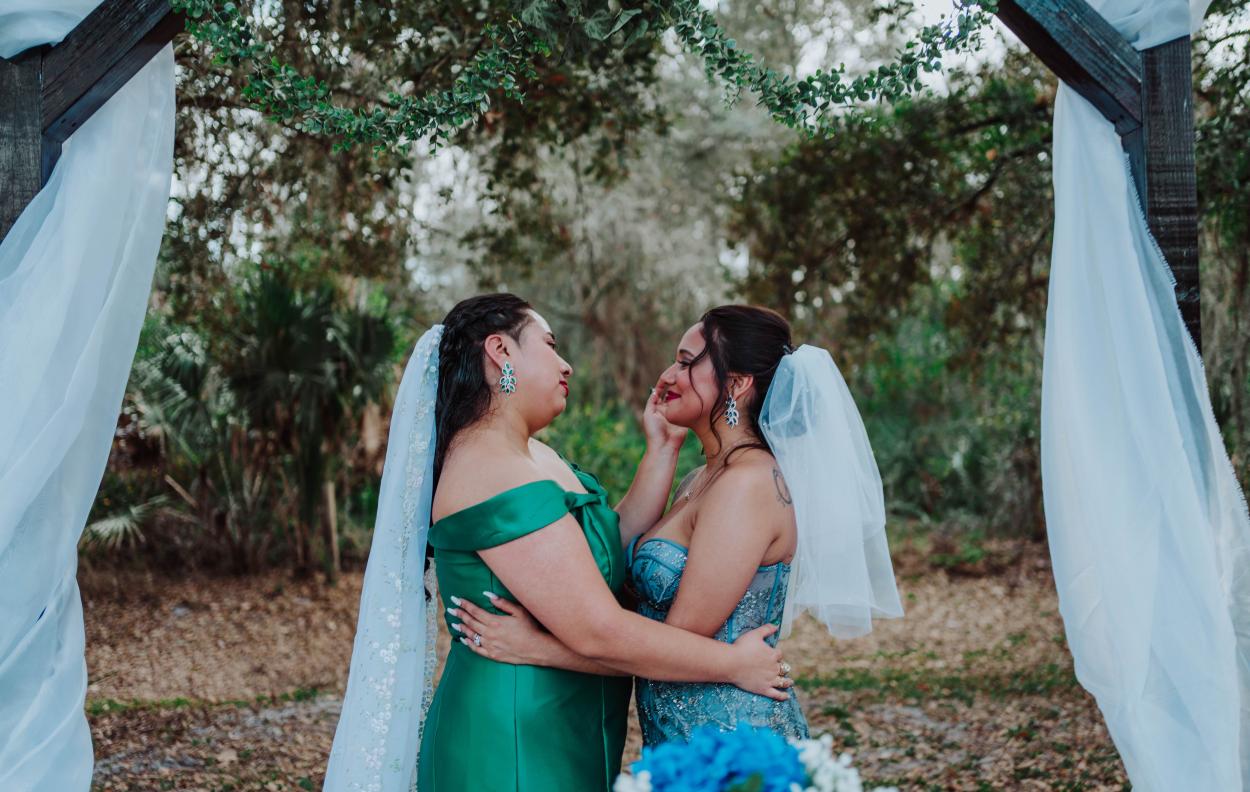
(713, 761)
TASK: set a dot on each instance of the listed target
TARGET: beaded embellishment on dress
(673, 710)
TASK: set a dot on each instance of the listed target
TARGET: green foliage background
(623, 197)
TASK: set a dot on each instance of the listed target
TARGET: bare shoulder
(753, 480)
(544, 452)
(474, 474)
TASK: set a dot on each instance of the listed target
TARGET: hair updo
(744, 340)
(463, 391)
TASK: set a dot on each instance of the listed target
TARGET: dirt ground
(235, 683)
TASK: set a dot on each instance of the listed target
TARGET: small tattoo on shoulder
(783, 492)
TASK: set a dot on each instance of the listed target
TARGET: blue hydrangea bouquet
(744, 760)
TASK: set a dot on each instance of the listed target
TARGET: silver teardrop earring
(731, 411)
(507, 383)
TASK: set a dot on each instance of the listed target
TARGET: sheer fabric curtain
(75, 273)
(1148, 527)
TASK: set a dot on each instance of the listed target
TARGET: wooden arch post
(1148, 96)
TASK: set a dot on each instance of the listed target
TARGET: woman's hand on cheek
(659, 432)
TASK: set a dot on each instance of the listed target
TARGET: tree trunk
(332, 535)
(301, 546)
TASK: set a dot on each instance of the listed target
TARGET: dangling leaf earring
(507, 383)
(731, 411)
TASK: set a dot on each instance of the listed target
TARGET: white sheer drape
(75, 273)
(1148, 528)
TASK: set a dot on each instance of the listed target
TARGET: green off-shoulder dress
(494, 727)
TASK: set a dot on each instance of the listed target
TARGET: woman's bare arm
(542, 568)
(644, 503)
(735, 525)
(723, 558)
(516, 638)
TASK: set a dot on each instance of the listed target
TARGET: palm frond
(124, 527)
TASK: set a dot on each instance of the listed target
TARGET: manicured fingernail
(456, 600)
(452, 611)
(490, 595)
(457, 627)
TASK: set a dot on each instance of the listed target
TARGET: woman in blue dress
(720, 561)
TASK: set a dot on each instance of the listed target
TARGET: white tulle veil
(841, 572)
(390, 682)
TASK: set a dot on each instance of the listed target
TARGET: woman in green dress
(511, 519)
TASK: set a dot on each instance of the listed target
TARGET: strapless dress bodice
(673, 710)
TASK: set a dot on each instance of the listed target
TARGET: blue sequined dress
(672, 710)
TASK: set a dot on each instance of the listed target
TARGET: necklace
(707, 474)
(697, 484)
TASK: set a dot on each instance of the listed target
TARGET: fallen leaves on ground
(235, 683)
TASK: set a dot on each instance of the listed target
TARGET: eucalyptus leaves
(805, 103)
(538, 29)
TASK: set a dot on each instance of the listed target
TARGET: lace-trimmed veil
(390, 682)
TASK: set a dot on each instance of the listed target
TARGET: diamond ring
(783, 669)
(477, 640)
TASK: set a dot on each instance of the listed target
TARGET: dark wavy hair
(463, 390)
(744, 339)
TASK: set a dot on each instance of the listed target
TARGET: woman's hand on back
(759, 665)
(514, 638)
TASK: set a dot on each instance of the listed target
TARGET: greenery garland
(512, 49)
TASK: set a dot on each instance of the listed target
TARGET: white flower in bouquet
(633, 783)
(826, 773)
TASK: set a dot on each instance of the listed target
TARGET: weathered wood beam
(1148, 96)
(20, 134)
(1162, 153)
(58, 88)
(1083, 50)
(99, 56)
